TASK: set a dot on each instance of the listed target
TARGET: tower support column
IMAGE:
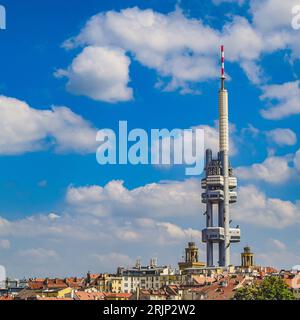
(209, 245)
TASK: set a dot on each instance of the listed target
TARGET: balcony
(232, 197)
(213, 234)
(216, 234)
(235, 235)
(218, 181)
(213, 196)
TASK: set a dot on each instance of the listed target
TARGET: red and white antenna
(223, 78)
(222, 62)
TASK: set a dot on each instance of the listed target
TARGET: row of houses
(218, 286)
(193, 281)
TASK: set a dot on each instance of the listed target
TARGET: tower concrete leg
(209, 245)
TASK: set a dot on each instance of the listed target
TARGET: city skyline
(156, 66)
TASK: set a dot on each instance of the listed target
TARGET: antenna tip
(222, 62)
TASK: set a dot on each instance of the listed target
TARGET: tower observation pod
(219, 185)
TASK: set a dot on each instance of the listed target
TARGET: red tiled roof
(292, 282)
(202, 280)
(217, 291)
(54, 299)
(56, 285)
(6, 298)
(35, 285)
(82, 295)
(118, 295)
(38, 280)
(94, 276)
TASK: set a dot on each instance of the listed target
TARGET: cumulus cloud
(101, 73)
(62, 239)
(272, 18)
(165, 43)
(156, 199)
(25, 129)
(276, 170)
(272, 15)
(283, 100)
(282, 137)
(143, 222)
(172, 199)
(182, 50)
(147, 221)
(176, 232)
(256, 208)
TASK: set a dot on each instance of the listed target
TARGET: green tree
(271, 288)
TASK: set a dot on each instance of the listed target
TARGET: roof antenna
(223, 78)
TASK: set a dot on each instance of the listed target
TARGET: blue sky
(61, 212)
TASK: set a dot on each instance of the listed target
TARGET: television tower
(219, 184)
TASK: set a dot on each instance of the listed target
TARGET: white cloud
(171, 200)
(147, 221)
(253, 71)
(277, 253)
(297, 160)
(165, 43)
(101, 73)
(286, 99)
(277, 244)
(274, 170)
(176, 232)
(183, 51)
(38, 254)
(4, 244)
(272, 15)
(279, 259)
(25, 129)
(114, 258)
(282, 137)
(273, 18)
(156, 199)
(256, 208)
(129, 235)
(245, 43)
(97, 239)
(53, 216)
